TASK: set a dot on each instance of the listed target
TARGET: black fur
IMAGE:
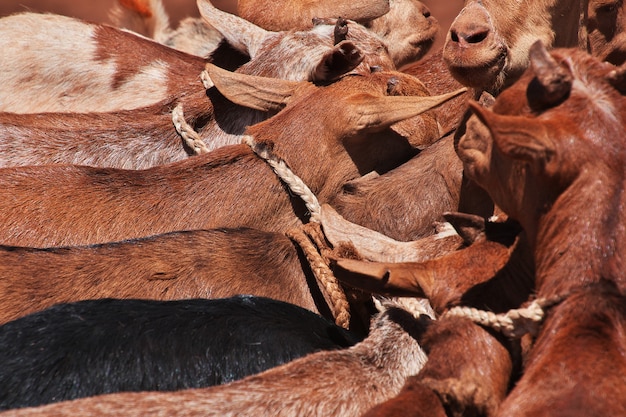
(94, 347)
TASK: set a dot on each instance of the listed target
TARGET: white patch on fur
(445, 230)
(52, 63)
(596, 95)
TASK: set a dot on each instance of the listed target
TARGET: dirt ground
(97, 11)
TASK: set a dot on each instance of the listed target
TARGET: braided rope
(514, 323)
(190, 137)
(333, 293)
(295, 183)
(332, 290)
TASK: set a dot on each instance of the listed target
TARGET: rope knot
(311, 240)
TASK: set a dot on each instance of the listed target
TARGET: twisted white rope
(514, 323)
(191, 138)
(295, 183)
(207, 82)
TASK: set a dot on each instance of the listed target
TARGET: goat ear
(617, 78)
(242, 35)
(399, 279)
(518, 137)
(469, 226)
(341, 30)
(552, 83)
(376, 113)
(260, 93)
(343, 58)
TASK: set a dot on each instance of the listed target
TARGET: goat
(406, 202)
(550, 153)
(487, 44)
(189, 264)
(407, 27)
(469, 369)
(231, 186)
(96, 347)
(344, 382)
(98, 68)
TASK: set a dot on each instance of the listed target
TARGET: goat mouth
(421, 45)
(477, 73)
(424, 38)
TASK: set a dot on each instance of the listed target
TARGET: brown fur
(607, 30)
(487, 44)
(434, 73)
(455, 381)
(278, 15)
(193, 264)
(406, 202)
(225, 188)
(566, 190)
(469, 369)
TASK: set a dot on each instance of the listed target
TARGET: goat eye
(607, 8)
(391, 85)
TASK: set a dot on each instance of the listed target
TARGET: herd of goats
(302, 210)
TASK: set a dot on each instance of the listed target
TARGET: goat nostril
(476, 37)
(454, 36)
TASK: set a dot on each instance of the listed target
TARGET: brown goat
(551, 154)
(143, 137)
(469, 369)
(231, 186)
(487, 44)
(344, 382)
(97, 68)
(191, 264)
(407, 27)
(406, 202)
(606, 26)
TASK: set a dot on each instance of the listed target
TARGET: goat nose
(470, 34)
(472, 25)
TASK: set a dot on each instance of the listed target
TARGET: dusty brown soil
(97, 11)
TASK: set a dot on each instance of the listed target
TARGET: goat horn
(241, 34)
(375, 246)
(553, 81)
(260, 93)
